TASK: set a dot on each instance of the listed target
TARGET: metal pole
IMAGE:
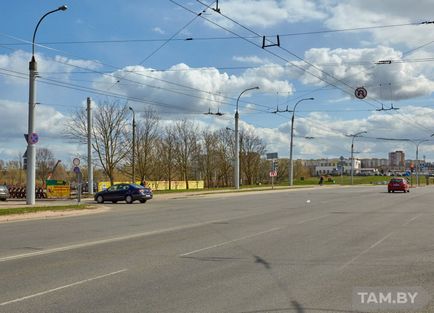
(134, 147)
(237, 143)
(291, 162)
(352, 160)
(31, 149)
(89, 147)
(237, 152)
(352, 152)
(417, 164)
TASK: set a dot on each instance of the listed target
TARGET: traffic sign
(273, 173)
(33, 138)
(272, 156)
(76, 170)
(76, 161)
(360, 93)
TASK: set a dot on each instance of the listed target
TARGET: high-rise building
(397, 160)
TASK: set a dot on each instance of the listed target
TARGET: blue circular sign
(33, 138)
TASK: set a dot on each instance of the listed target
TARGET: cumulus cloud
(351, 68)
(268, 13)
(185, 89)
(363, 13)
(158, 30)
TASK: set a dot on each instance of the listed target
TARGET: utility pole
(134, 147)
(89, 147)
(352, 153)
(31, 136)
(237, 143)
(291, 162)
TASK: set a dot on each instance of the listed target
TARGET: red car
(398, 184)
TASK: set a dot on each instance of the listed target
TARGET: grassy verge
(23, 210)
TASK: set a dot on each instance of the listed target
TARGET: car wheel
(389, 191)
(115, 201)
(142, 200)
(129, 199)
(393, 190)
(408, 190)
(100, 199)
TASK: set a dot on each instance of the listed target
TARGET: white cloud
(268, 13)
(364, 13)
(253, 59)
(158, 30)
(153, 85)
(352, 68)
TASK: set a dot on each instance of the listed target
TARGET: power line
(139, 40)
(293, 54)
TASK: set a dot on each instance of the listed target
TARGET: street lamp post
(31, 150)
(134, 146)
(417, 143)
(291, 163)
(352, 153)
(237, 143)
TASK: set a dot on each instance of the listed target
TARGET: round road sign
(76, 161)
(33, 138)
(361, 93)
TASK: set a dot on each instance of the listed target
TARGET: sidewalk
(18, 203)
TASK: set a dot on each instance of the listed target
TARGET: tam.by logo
(374, 299)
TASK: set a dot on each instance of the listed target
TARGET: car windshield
(397, 180)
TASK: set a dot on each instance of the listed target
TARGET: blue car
(124, 192)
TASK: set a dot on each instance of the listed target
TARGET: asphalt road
(283, 251)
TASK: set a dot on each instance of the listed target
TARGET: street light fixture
(352, 152)
(291, 163)
(134, 146)
(31, 155)
(237, 143)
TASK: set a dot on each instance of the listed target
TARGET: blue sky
(96, 43)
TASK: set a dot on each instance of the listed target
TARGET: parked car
(124, 192)
(398, 184)
(4, 192)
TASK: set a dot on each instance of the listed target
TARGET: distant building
(397, 160)
(335, 166)
(375, 163)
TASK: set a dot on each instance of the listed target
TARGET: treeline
(164, 150)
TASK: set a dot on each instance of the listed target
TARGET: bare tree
(252, 147)
(109, 134)
(186, 146)
(146, 143)
(209, 156)
(225, 156)
(166, 151)
(44, 163)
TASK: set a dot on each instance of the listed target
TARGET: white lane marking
(312, 219)
(61, 287)
(103, 241)
(412, 219)
(231, 241)
(364, 251)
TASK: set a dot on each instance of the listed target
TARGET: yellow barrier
(161, 185)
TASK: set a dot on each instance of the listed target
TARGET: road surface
(282, 251)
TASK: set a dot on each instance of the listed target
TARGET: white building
(336, 166)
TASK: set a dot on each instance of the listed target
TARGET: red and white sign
(273, 173)
(361, 93)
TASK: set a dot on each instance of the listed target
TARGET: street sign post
(79, 176)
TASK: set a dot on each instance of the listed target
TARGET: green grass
(23, 210)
